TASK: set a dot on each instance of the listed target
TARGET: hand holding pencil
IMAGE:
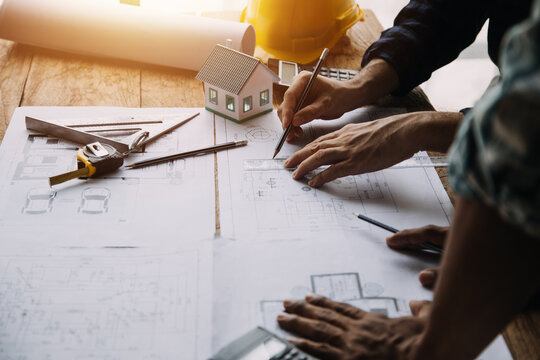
(412, 238)
(301, 100)
(421, 242)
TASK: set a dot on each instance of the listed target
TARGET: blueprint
(121, 266)
(260, 200)
(126, 206)
(253, 278)
(106, 303)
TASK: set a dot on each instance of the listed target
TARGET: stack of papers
(138, 264)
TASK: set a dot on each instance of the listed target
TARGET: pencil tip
(275, 153)
(355, 214)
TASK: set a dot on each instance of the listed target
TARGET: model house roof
(229, 69)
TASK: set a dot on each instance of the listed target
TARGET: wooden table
(31, 76)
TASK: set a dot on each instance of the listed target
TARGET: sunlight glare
(194, 6)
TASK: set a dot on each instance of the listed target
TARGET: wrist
(409, 131)
(415, 348)
(418, 348)
(374, 81)
(435, 131)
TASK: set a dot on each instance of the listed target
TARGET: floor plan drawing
(347, 287)
(344, 287)
(264, 273)
(119, 200)
(129, 265)
(253, 278)
(305, 208)
(259, 199)
(339, 287)
(83, 304)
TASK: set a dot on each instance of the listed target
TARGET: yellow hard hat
(298, 30)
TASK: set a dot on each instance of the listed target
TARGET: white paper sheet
(170, 201)
(84, 273)
(251, 279)
(260, 200)
(162, 36)
(77, 303)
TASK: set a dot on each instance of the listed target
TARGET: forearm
(489, 272)
(330, 98)
(422, 131)
(426, 36)
(376, 80)
(435, 131)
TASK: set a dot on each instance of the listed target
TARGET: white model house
(236, 86)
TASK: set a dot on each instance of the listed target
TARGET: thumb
(420, 308)
(405, 239)
(428, 277)
(412, 238)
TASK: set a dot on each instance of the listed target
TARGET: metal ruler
(70, 134)
(413, 162)
(423, 161)
(120, 129)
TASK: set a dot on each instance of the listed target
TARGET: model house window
(248, 103)
(229, 103)
(212, 96)
(265, 97)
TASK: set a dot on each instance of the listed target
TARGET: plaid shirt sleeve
(496, 156)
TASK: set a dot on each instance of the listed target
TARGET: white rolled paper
(111, 29)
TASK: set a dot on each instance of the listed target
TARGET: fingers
(333, 172)
(296, 132)
(342, 308)
(291, 96)
(406, 239)
(420, 308)
(428, 277)
(411, 238)
(321, 351)
(321, 157)
(315, 330)
(307, 310)
(307, 113)
(323, 142)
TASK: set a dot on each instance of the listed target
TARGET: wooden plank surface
(35, 76)
(166, 87)
(15, 61)
(523, 336)
(59, 79)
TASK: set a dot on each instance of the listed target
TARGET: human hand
(329, 99)
(333, 330)
(372, 146)
(357, 148)
(326, 100)
(412, 238)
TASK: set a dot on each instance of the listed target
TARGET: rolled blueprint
(112, 29)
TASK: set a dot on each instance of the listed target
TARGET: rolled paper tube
(112, 29)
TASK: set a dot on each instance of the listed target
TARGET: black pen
(425, 245)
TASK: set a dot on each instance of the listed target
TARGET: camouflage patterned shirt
(496, 156)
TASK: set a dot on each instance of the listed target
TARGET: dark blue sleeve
(428, 34)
